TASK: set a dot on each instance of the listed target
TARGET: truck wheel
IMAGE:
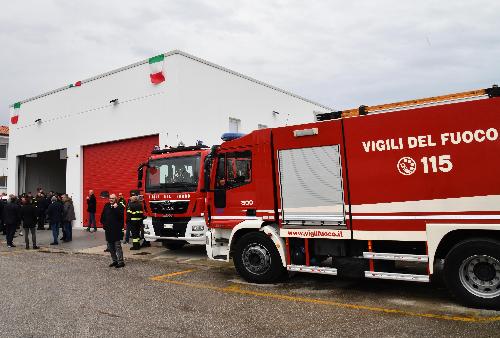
(472, 272)
(173, 245)
(257, 260)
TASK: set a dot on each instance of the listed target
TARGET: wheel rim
(256, 259)
(480, 275)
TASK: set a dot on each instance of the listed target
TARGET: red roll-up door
(112, 167)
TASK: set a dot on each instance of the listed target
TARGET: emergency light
(231, 136)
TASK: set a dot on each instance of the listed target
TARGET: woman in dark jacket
(68, 217)
(91, 209)
(29, 219)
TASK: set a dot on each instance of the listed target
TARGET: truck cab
(174, 198)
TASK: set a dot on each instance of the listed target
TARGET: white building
(4, 146)
(94, 133)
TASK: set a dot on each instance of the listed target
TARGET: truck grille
(168, 207)
(178, 229)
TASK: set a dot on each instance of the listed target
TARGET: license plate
(168, 226)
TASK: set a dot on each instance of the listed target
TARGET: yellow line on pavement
(238, 290)
(161, 278)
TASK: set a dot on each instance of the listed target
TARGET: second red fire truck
(399, 191)
(174, 200)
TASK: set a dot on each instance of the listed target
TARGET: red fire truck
(174, 199)
(400, 191)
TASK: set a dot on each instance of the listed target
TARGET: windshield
(174, 174)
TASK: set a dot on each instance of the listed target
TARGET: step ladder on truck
(404, 191)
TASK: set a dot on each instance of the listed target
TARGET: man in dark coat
(112, 221)
(2, 205)
(11, 217)
(68, 218)
(55, 216)
(28, 216)
(41, 207)
(91, 209)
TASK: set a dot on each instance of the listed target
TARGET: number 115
(441, 163)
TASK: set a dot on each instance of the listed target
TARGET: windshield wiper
(151, 189)
(179, 184)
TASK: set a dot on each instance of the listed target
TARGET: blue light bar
(231, 136)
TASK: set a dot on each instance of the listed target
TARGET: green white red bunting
(76, 84)
(156, 67)
(14, 116)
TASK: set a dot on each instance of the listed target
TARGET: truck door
(233, 195)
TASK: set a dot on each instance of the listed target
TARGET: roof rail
(494, 91)
(178, 149)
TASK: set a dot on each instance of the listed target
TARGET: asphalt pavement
(68, 293)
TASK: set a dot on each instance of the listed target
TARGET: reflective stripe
(135, 219)
(135, 240)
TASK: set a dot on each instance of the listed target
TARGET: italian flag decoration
(76, 84)
(156, 67)
(15, 113)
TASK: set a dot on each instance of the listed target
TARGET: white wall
(195, 102)
(210, 96)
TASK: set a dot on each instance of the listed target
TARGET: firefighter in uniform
(135, 216)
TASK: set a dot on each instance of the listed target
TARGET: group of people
(30, 213)
(116, 215)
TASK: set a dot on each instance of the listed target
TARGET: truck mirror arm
(140, 174)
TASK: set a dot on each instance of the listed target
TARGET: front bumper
(191, 230)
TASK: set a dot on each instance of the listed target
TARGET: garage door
(112, 168)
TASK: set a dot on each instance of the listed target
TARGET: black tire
(257, 260)
(173, 245)
(469, 267)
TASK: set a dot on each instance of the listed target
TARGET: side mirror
(207, 167)
(206, 173)
(140, 175)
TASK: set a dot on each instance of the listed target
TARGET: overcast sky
(338, 53)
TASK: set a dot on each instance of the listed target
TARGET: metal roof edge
(227, 70)
(189, 56)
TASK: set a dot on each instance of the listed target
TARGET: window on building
(3, 151)
(234, 125)
(234, 169)
(261, 126)
(3, 181)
